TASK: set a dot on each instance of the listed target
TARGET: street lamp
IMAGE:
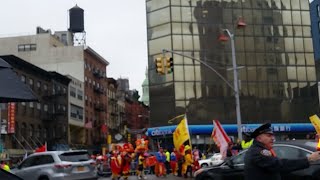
(223, 38)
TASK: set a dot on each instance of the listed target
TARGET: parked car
(103, 168)
(56, 165)
(233, 168)
(213, 160)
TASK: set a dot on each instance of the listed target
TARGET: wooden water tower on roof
(76, 25)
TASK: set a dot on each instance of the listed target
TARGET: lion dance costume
(126, 158)
(141, 150)
(115, 162)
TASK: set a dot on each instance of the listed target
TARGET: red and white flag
(220, 137)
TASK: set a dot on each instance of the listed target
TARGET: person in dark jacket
(262, 163)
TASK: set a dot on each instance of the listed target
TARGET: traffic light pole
(235, 87)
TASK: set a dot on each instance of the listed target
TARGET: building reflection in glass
(278, 81)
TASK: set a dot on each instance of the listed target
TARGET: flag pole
(188, 130)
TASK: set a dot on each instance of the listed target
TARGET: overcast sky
(116, 29)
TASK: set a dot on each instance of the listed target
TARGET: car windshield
(74, 156)
(239, 159)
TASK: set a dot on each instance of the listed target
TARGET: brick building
(43, 121)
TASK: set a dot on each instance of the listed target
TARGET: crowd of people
(125, 160)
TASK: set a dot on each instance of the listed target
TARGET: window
(31, 104)
(27, 47)
(80, 95)
(28, 162)
(23, 78)
(318, 10)
(72, 91)
(38, 106)
(33, 47)
(44, 159)
(239, 159)
(45, 87)
(38, 84)
(74, 156)
(290, 152)
(31, 82)
(45, 107)
(76, 112)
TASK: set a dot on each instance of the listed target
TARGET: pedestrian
(167, 163)
(174, 162)
(160, 168)
(141, 164)
(196, 157)
(261, 161)
(188, 162)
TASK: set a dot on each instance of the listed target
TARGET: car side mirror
(230, 163)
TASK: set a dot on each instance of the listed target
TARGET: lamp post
(235, 81)
(241, 24)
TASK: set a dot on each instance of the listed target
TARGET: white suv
(215, 159)
(56, 165)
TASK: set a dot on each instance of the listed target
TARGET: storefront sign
(159, 132)
(232, 128)
(11, 117)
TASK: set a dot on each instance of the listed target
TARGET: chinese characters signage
(11, 117)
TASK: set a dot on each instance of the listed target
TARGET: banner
(11, 117)
(220, 137)
(315, 122)
(181, 134)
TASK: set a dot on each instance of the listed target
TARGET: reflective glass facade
(277, 80)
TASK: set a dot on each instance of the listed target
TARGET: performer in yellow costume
(188, 161)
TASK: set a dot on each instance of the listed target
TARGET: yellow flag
(181, 134)
(315, 122)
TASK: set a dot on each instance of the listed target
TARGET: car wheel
(43, 178)
(204, 165)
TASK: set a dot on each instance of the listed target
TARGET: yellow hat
(187, 147)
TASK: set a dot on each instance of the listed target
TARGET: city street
(150, 177)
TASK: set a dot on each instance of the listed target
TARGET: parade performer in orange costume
(160, 169)
(174, 162)
(126, 158)
(188, 162)
(141, 151)
(115, 162)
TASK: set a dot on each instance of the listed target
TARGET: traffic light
(159, 66)
(169, 64)
(129, 137)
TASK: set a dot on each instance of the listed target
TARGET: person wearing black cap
(261, 161)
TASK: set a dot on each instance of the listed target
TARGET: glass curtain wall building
(277, 79)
